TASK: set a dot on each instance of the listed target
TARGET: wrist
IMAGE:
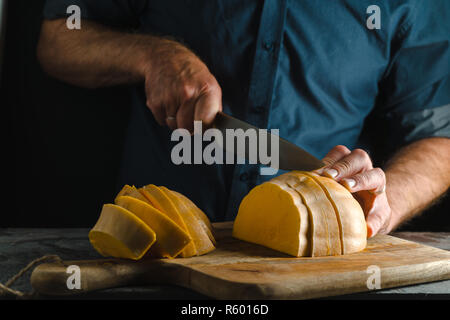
(143, 56)
(398, 212)
(157, 53)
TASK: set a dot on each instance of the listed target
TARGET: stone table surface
(20, 246)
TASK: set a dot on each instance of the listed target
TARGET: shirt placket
(265, 65)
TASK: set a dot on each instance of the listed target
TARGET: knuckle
(156, 107)
(361, 154)
(362, 179)
(343, 166)
(328, 161)
(186, 92)
(210, 85)
(154, 102)
(342, 149)
(380, 173)
(151, 105)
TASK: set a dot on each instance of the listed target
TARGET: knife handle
(75, 277)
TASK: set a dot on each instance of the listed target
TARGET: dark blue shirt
(312, 69)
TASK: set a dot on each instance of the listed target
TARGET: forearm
(97, 56)
(416, 177)
(179, 86)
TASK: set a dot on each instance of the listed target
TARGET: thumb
(374, 223)
(207, 106)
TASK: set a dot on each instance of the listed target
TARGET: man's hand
(354, 170)
(179, 87)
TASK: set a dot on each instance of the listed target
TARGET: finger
(373, 180)
(185, 115)
(335, 154)
(171, 110)
(378, 219)
(158, 113)
(207, 106)
(365, 200)
(171, 122)
(357, 161)
(374, 223)
(183, 98)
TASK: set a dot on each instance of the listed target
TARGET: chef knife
(292, 157)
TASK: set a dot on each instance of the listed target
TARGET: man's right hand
(179, 87)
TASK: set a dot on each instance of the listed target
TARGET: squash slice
(273, 215)
(163, 203)
(132, 192)
(201, 216)
(119, 233)
(352, 223)
(325, 235)
(199, 236)
(170, 238)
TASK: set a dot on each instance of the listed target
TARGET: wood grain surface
(240, 270)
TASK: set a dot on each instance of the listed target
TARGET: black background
(65, 143)
(62, 145)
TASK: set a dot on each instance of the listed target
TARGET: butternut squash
(325, 237)
(176, 209)
(119, 233)
(201, 216)
(273, 215)
(152, 221)
(160, 201)
(351, 219)
(132, 192)
(302, 214)
(170, 238)
(200, 237)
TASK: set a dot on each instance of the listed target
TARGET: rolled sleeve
(414, 98)
(118, 13)
(427, 123)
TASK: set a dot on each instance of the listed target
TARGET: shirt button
(244, 177)
(268, 45)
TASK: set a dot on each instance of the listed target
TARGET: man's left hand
(354, 170)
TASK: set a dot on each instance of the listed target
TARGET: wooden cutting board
(240, 270)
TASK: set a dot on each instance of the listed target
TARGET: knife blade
(291, 156)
